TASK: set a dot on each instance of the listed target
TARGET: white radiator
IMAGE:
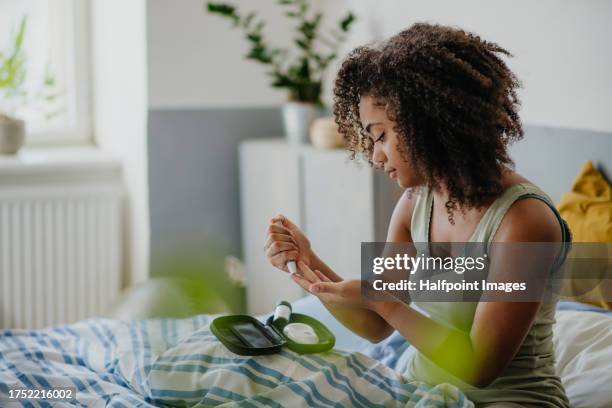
(60, 242)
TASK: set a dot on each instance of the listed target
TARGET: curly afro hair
(453, 102)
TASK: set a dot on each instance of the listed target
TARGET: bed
(178, 362)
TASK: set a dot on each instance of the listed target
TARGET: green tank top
(530, 378)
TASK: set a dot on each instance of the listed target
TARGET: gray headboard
(551, 157)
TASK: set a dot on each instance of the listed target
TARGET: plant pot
(12, 134)
(297, 118)
(324, 134)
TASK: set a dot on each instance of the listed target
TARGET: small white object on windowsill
(12, 134)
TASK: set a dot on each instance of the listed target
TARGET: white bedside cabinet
(337, 203)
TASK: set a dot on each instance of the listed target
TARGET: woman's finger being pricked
(310, 278)
(304, 283)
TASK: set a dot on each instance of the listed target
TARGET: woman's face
(379, 128)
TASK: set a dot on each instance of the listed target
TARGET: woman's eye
(381, 137)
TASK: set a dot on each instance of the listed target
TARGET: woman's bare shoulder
(529, 220)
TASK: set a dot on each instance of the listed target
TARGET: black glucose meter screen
(251, 335)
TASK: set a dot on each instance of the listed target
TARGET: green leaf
(301, 43)
(254, 37)
(304, 70)
(307, 29)
(260, 54)
(225, 10)
(347, 21)
(222, 8)
(22, 27)
(13, 69)
(282, 81)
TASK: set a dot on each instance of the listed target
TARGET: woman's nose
(378, 156)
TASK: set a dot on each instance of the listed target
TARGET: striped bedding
(170, 362)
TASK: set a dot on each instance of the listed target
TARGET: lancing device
(290, 264)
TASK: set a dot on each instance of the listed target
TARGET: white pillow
(583, 350)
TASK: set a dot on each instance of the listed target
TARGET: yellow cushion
(587, 208)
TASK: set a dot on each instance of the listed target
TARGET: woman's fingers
(315, 281)
(277, 218)
(307, 272)
(304, 283)
(322, 276)
(281, 219)
(278, 229)
(278, 247)
(324, 287)
(272, 238)
(280, 260)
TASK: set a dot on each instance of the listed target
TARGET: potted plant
(14, 94)
(302, 73)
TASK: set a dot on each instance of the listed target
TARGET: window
(54, 97)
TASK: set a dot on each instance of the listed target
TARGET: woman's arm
(499, 328)
(360, 320)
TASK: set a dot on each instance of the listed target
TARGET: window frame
(73, 18)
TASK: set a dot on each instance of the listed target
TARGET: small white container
(301, 333)
(282, 312)
(12, 134)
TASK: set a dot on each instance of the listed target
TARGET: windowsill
(79, 163)
(49, 158)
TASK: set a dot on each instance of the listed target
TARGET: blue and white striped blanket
(169, 362)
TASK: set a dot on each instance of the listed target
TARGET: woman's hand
(343, 298)
(286, 242)
(346, 293)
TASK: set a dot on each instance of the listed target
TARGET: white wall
(561, 50)
(197, 59)
(561, 47)
(120, 112)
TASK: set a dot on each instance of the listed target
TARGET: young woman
(435, 108)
